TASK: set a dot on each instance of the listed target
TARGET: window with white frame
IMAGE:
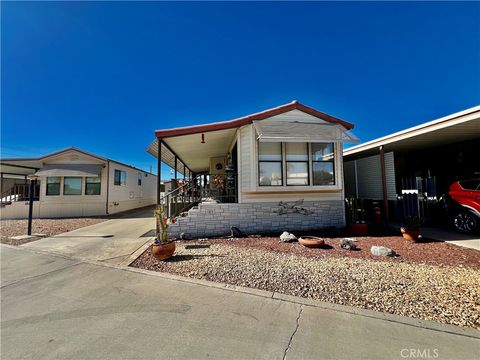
(306, 164)
(323, 164)
(297, 163)
(270, 166)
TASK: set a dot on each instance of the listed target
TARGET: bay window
(92, 185)
(53, 185)
(72, 185)
(323, 168)
(297, 163)
(270, 164)
(306, 164)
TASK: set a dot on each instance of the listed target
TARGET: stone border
(419, 323)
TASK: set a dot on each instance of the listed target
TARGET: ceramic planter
(358, 229)
(411, 235)
(311, 241)
(163, 251)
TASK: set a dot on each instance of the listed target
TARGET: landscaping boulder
(236, 233)
(382, 251)
(287, 237)
(348, 244)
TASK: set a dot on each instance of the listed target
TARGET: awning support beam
(159, 170)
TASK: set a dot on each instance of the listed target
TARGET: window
(470, 184)
(120, 178)
(139, 179)
(323, 167)
(92, 185)
(270, 164)
(53, 185)
(72, 186)
(297, 163)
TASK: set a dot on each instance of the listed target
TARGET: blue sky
(103, 76)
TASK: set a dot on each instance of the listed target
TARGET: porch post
(159, 169)
(176, 169)
(30, 206)
(384, 183)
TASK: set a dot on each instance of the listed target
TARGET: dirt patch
(416, 285)
(49, 227)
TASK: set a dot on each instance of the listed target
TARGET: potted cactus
(411, 228)
(162, 247)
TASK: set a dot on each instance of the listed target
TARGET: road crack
(293, 334)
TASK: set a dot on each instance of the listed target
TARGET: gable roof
(294, 105)
(72, 148)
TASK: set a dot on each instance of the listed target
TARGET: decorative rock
(382, 251)
(287, 237)
(236, 233)
(348, 244)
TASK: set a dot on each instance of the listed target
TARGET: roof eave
(295, 105)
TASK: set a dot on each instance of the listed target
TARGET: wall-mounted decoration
(292, 207)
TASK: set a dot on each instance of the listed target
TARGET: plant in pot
(356, 217)
(162, 248)
(411, 228)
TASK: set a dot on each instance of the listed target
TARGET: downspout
(108, 185)
(384, 183)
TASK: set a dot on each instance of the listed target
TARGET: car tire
(465, 221)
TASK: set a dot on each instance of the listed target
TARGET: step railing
(19, 192)
(204, 187)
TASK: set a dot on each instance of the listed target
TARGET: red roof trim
(295, 105)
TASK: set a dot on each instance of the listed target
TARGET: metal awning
(70, 170)
(296, 131)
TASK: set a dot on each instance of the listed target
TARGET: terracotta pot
(358, 229)
(311, 241)
(411, 235)
(163, 251)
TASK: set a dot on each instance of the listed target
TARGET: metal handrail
(189, 194)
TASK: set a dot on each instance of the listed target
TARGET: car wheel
(465, 221)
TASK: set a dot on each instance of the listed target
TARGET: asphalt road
(55, 307)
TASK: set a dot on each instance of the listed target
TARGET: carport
(427, 158)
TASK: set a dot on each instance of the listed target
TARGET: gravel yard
(49, 227)
(431, 281)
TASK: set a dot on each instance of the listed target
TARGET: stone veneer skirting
(256, 218)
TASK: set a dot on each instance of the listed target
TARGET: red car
(466, 195)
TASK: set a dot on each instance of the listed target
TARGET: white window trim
(338, 186)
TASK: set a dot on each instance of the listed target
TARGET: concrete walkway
(56, 308)
(471, 241)
(112, 241)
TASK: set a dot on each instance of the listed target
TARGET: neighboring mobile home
(71, 183)
(254, 172)
(424, 159)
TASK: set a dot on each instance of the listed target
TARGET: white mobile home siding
(131, 195)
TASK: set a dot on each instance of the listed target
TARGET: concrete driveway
(112, 241)
(57, 308)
